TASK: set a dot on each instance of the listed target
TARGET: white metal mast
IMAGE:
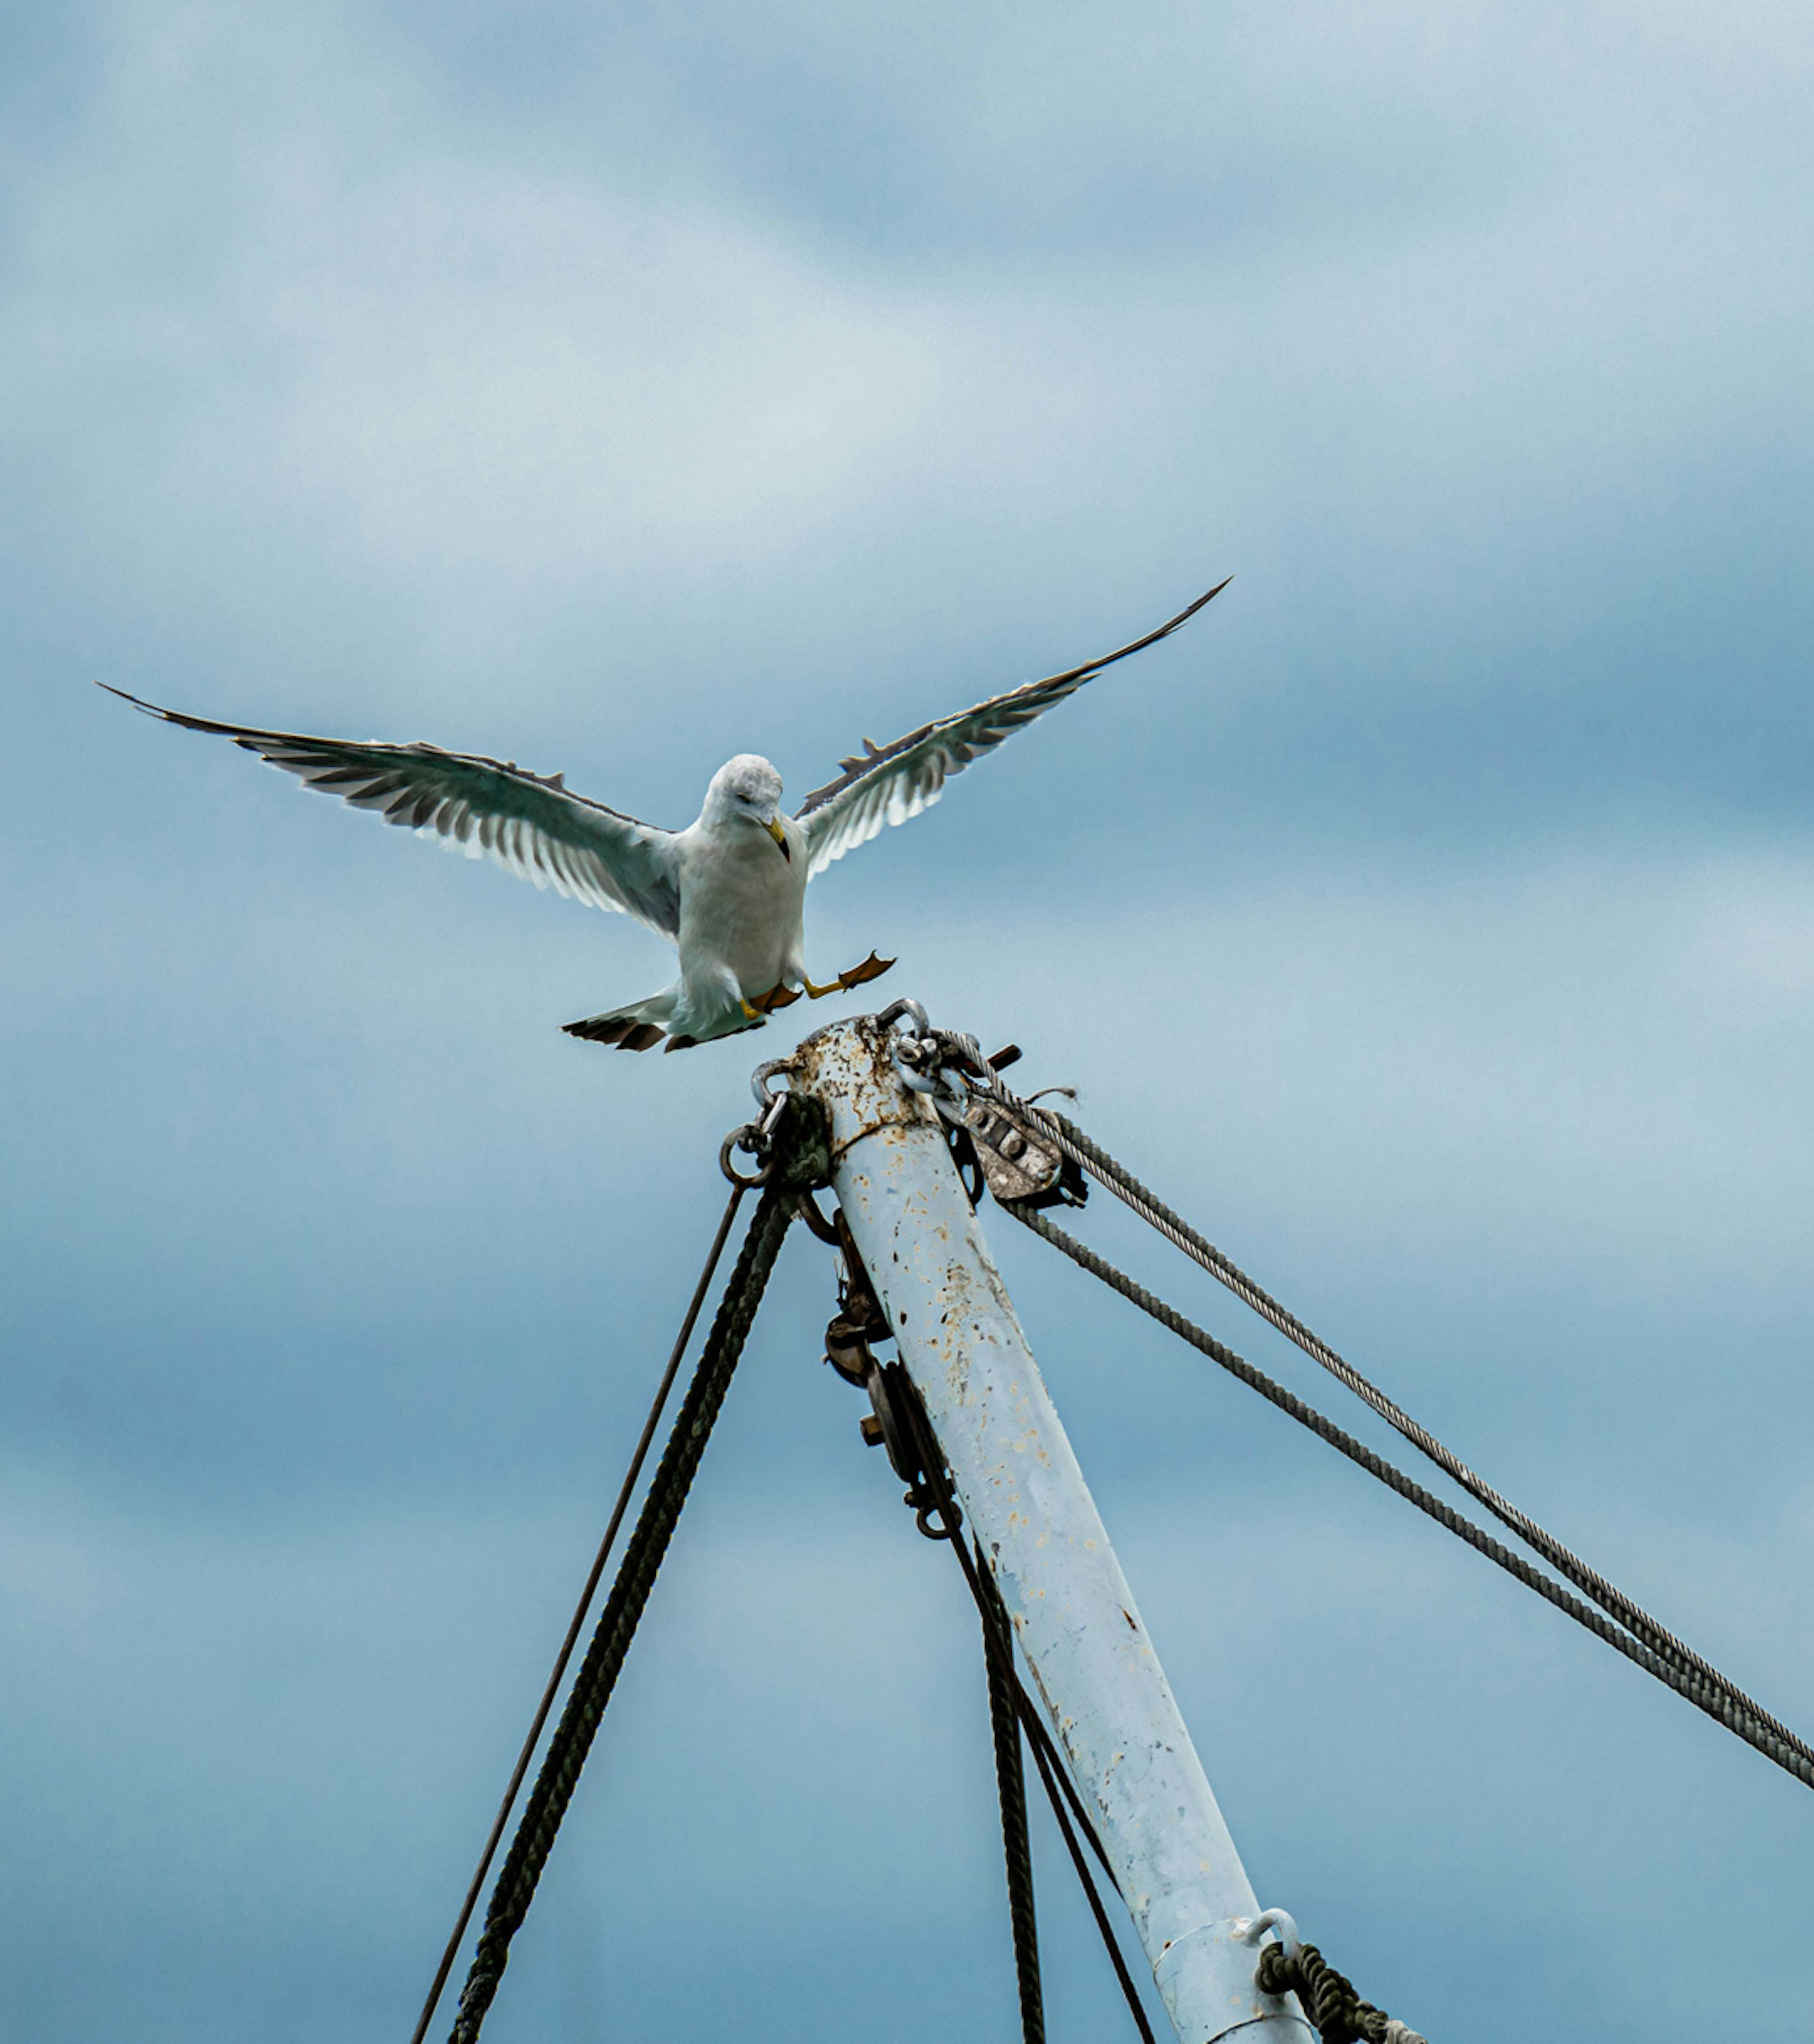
(1093, 1665)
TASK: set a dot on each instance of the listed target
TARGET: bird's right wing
(530, 823)
(889, 783)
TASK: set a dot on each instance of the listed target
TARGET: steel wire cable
(657, 1405)
(1110, 1173)
(1718, 1698)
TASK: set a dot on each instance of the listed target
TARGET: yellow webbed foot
(780, 995)
(859, 975)
(871, 968)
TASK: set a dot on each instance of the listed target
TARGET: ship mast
(1097, 1672)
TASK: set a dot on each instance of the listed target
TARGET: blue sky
(1434, 921)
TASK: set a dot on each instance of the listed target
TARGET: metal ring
(756, 1142)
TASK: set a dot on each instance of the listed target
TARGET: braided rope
(605, 1658)
(1718, 1700)
(451, 1951)
(1109, 1173)
(1010, 1792)
(1336, 2012)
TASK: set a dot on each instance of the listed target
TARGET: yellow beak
(773, 827)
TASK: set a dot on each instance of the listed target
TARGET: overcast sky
(616, 389)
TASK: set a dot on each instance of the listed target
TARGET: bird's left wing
(532, 825)
(890, 783)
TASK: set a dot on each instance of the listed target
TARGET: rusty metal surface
(1093, 1663)
(1019, 1160)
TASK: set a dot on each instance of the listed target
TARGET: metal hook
(895, 1009)
(760, 1078)
(1274, 1919)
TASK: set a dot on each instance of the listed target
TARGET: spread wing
(531, 825)
(890, 783)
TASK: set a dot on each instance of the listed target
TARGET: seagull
(728, 891)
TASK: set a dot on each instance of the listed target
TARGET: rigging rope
(1718, 1698)
(1011, 1792)
(903, 1425)
(795, 1162)
(657, 1405)
(1047, 1768)
(1109, 1172)
(1055, 1778)
(1335, 2010)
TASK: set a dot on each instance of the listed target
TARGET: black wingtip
(1091, 668)
(150, 709)
(1185, 616)
(241, 734)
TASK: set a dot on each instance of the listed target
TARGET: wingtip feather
(138, 703)
(1190, 610)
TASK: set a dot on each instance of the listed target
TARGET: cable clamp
(919, 1053)
(939, 1063)
(997, 1142)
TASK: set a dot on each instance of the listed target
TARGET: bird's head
(749, 788)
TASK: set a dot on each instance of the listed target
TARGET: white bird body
(742, 914)
(742, 906)
(729, 891)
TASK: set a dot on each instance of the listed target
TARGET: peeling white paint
(1102, 1688)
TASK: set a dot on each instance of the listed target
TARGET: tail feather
(625, 1030)
(640, 1025)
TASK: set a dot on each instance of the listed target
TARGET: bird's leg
(871, 968)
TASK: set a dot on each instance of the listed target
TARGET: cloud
(290, 1743)
(611, 391)
(411, 410)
